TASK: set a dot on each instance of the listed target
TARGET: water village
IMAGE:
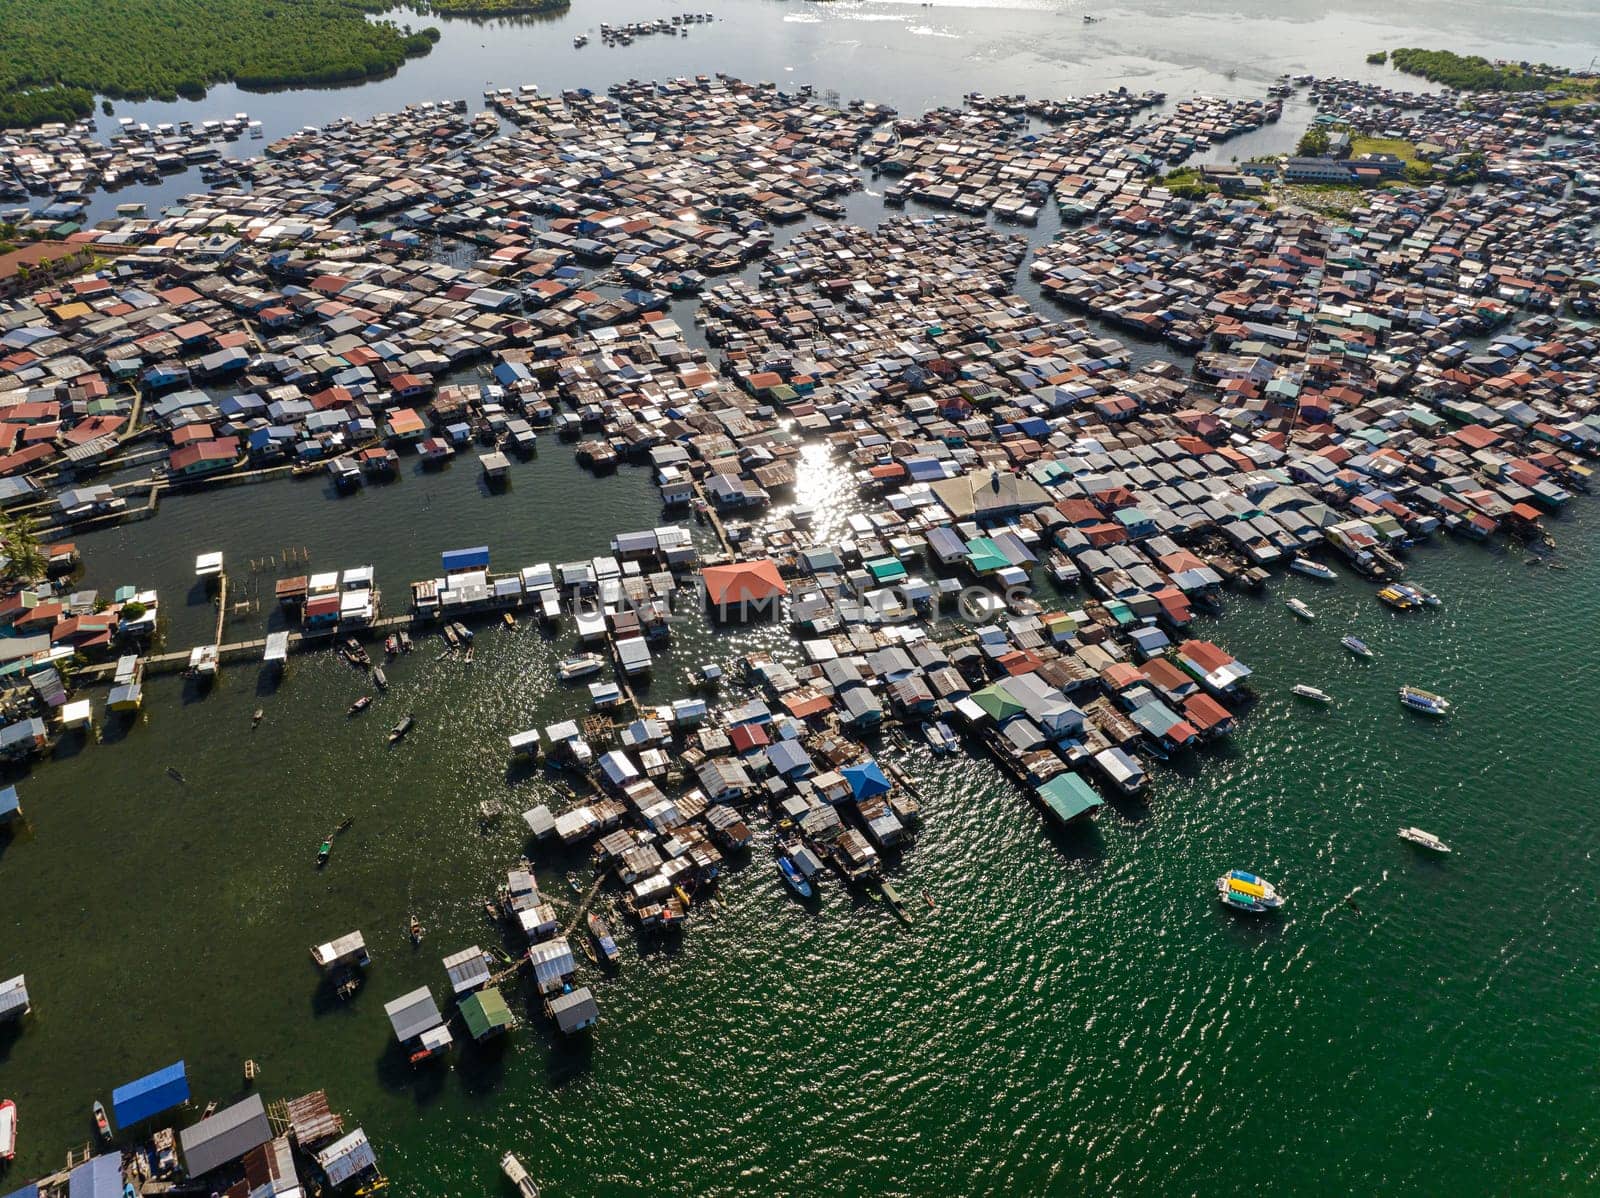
(1046, 518)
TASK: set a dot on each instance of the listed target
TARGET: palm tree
(25, 561)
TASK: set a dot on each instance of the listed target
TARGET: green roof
(1069, 796)
(986, 556)
(886, 569)
(997, 703)
(485, 1013)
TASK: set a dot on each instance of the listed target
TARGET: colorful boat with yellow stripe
(1246, 892)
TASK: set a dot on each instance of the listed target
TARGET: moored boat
(360, 705)
(940, 738)
(1312, 693)
(892, 897)
(1246, 892)
(102, 1125)
(1312, 569)
(399, 731)
(603, 940)
(1299, 608)
(8, 1129)
(379, 678)
(580, 666)
(792, 877)
(1357, 646)
(509, 619)
(1426, 702)
(1397, 598)
(1423, 839)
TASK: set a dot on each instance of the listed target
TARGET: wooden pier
(715, 520)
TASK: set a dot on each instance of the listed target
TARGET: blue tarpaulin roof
(97, 1178)
(150, 1095)
(28, 1191)
(866, 780)
(465, 559)
(9, 803)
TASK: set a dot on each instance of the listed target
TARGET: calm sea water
(1077, 1016)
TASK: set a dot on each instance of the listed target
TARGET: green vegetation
(491, 8)
(133, 611)
(1383, 145)
(24, 559)
(1313, 143)
(1187, 183)
(55, 53)
(1378, 57)
(1473, 72)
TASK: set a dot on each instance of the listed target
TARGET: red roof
(748, 736)
(743, 582)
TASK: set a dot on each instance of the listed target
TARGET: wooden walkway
(716, 520)
(584, 904)
(222, 614)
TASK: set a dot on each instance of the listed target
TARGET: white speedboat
(1312, 693)
(1311, 569)
(1423, 839)
(580, 666)
(1299, 608)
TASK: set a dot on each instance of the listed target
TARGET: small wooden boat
(415, 930)
(391, 644)
(251, 1072)
(405, 641)
(468, 658)
(603, 939)
(256, 717)
(102, 1125)
(325, 849)
(355, 654)
(510, 620)
(449, 634)
(380, 679)
(928, 898)
(892, 897)
(172, 772)
(359, 705)
(399, 731)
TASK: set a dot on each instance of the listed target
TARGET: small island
(55, 56)
(1473, 72)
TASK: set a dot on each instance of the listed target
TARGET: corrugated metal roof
(100, 1177)
(226, 1136)
(412, 1014)
(347, 1157)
